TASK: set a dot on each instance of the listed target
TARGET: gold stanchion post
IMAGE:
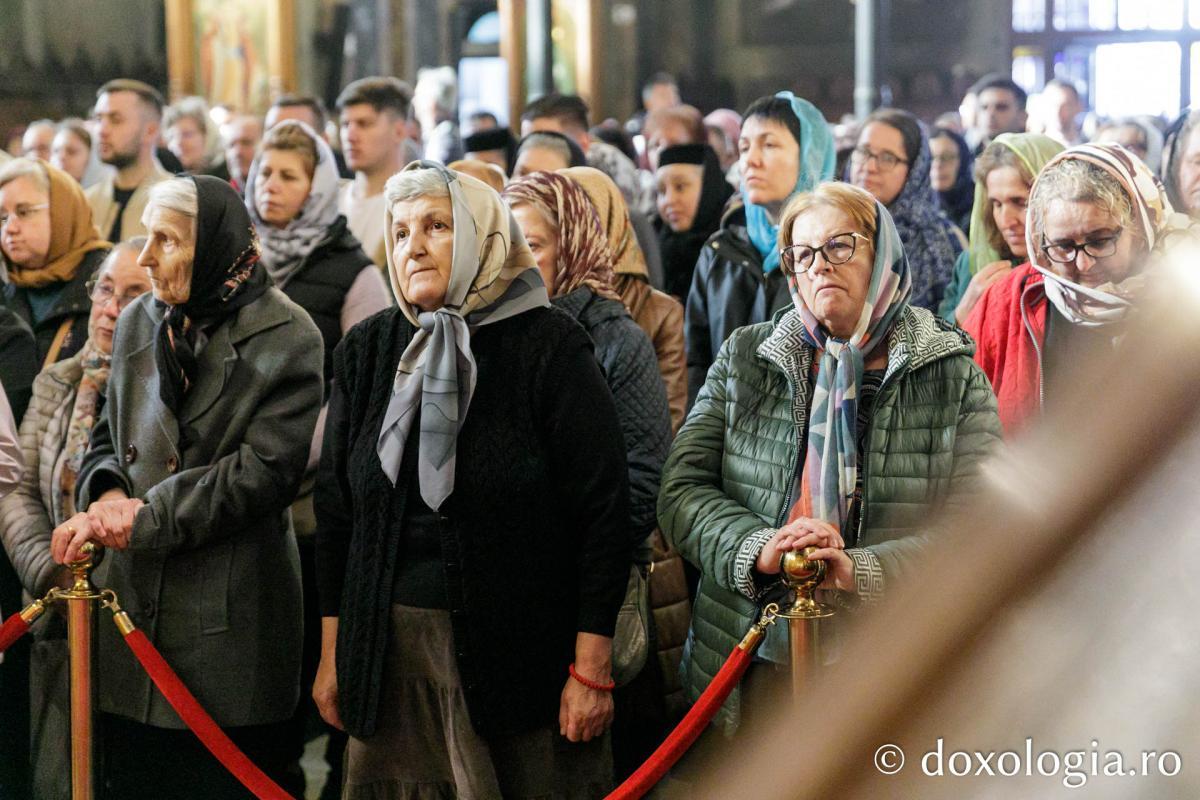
(80, 598)
(804, 615)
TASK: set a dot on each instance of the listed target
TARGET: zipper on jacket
(1037, 348)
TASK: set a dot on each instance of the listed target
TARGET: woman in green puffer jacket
(843, 424)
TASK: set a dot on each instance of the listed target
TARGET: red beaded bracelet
(599, 687)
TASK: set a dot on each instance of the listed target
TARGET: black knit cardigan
(535, 534)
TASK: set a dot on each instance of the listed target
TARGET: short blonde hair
(856, 203)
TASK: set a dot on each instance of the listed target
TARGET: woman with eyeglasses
(50, 248)
(1096, 213)
(842, 424)
(67, 399)
(892, 162)
(786, 148)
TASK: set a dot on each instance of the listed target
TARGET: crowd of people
(477, 450)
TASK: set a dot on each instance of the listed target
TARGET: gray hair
(25, 168)
(178, 195)
(545, 141)
(1076, 181)
(413, 183)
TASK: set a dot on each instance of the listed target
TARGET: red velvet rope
(14, 628)
(685, 734)
(196, 718)
(254, 779)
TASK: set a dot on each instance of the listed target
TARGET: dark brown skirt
(425, 748)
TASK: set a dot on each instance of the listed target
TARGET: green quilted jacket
(726, 485)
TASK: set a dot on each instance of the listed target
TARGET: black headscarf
(681, 250)
(960, 197)
(494, 139)
(226, 275)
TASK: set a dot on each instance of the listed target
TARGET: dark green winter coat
(726, 483)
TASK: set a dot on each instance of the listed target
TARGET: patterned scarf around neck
(284, 249)
(583, 255)
(92, 385)
(831, 460)
(493, 276)
(1153, 216)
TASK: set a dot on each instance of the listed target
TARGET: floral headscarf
(583, 255)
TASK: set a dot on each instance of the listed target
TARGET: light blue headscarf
(817, 162)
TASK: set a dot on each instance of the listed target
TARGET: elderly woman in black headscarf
(212, 400)
(472, 519)
(692, 192)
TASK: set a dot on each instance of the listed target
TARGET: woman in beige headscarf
(472, 519)
(658, 314)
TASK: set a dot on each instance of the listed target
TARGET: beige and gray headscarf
(493, 277)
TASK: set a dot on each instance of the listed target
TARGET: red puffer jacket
(1009, 328)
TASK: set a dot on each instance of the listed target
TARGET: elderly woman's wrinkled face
(25, 223)
(834, 293)
(422, 241)
(770, 161)
(168, 254)
(538, 159)
(1074, 222)
(542, 237)
(679, 187)
(120, 281)
(879, 163)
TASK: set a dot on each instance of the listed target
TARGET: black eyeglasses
(1067, 252)
(800, 258)
(885, 160)
(103, 292)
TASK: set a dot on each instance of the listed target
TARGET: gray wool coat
(212, 573)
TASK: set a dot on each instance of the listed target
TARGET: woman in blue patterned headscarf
(892, 162)
(786, 148)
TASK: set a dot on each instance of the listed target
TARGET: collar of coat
(248, 321)
(918, 338)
